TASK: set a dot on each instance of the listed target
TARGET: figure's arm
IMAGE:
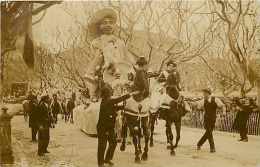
(220, 104)
(255, 108)
(200, 104)
(98, 58)
(120, 99)
(187, 107)
(118, 108)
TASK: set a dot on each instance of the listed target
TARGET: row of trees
(214, 39)
(220, 34)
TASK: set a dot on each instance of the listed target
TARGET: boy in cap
(109, 51)
(106, 124)
(210, 105)
(171, 76)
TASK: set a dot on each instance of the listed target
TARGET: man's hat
(207, 90)
(171, 62)
(98, 17)
(141, 61)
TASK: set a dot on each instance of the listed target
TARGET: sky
(63, 17)
(66, 16)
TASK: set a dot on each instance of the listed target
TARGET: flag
(28, 50)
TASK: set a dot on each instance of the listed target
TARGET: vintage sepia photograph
(130, 83)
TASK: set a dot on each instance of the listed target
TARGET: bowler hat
(98, 17)
(141, 61)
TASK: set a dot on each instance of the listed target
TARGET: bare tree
(237, 29)
(16, 19)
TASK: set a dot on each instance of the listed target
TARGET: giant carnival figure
(110, 58)
(109, 52)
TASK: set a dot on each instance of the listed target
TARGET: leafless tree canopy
(213, 41)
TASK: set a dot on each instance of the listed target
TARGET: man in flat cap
(171, 76)
(210, 104)
(109, 52)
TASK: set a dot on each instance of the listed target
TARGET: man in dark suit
(106, 124)
(44, 122)
(210, 105)
(249, 106)
(56, 108)
(33, 116)
(70, 106)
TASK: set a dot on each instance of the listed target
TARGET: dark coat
(33, 113)
(44, 118)
(242, 116)
(70, 105)
(56, 107)
(107, 114)
(173, 79)
(210, 114)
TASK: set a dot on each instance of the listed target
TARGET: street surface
(70, 147)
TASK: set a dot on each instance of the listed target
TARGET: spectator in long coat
(44, 123)
(56, 108)
(242, 117)
(70, 106)
(33, 116)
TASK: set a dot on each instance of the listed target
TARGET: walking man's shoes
(40, 154)
(46, 151)
(110, 163)
(198, 148)
(213, 150)
(245, 140)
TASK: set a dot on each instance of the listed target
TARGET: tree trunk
(258, 93)
(258, 82)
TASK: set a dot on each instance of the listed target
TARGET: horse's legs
(152, 123)
(178, 132)
(169, 136)
(136, 140)
(139, 137)
(145, 127)
(124, 136)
